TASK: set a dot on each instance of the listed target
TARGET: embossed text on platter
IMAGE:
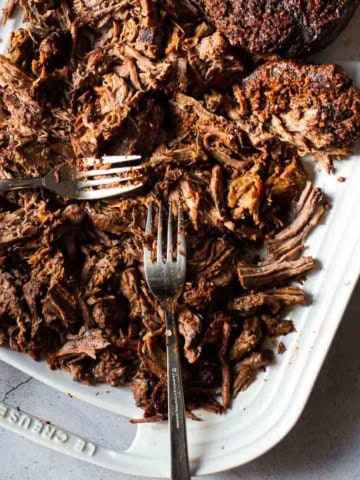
(48, 433)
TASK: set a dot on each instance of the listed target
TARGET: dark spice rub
(154, 78)
(287, 27)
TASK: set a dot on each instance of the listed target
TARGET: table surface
(325, 443)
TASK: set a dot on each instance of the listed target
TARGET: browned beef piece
(245, 371)
(149, 393)
(197, 203)
(205, 210)
(224, 320)
(217, 188)
(313, 107)
(86, 344)
(286, 182)
(101, 269)
(13, 226)
(245, 195)
(190, 327)
(22, 161)
(201, 294)
(117, 78)
(108, 312)
(288, 243)
(267, 274)
(287, 27)
(274, 299)
(217, 192)
(140, 21)
(52, 297)
(247, 340)
(277, 326)
(204, 292)
(117, 367)
(33, 292)
(73, 214)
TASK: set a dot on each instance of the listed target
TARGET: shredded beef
(219, 131)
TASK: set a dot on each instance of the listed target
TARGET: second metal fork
(166, 280)
(87, 183)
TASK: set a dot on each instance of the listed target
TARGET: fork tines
(97, 176)
(180, 240)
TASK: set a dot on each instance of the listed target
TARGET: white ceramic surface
(263, 414)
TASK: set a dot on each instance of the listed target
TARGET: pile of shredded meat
(218, 132)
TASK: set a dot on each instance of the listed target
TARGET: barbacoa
(218, 132)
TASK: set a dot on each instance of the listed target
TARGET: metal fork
(80, 184)
(166, 280)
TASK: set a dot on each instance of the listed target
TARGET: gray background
(324, 444)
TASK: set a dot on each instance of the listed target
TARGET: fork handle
(176, 404)
(20, 183)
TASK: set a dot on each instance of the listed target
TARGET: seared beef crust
(287, 27)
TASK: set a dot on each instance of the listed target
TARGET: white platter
(266, 412)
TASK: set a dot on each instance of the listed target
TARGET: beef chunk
(247, 340)
(277, 326)
(289, 28)
(312, 107)
(245, 371)
(274, 299)
(190, 327)
(86, 344)
(267, 273)
(245, 195)
(149, 393)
